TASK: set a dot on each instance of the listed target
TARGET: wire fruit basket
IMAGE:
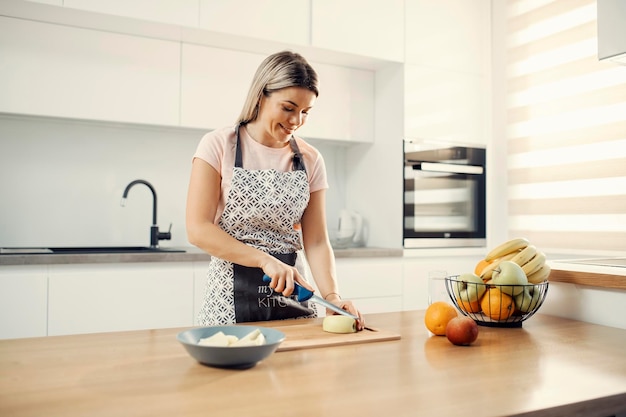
(495, 305)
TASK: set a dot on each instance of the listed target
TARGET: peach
(462, 331)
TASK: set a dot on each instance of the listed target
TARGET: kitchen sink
(87, 250)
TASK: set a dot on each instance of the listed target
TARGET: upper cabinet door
(177, 12)
(370, 28)
(214, 85)
(62, 71)
(285, 21)
(344, 109)
(446, 105)
(611, 30)
(447, 71)
(449, 34)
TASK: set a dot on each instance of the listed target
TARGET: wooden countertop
(592, 275)
(549, 367)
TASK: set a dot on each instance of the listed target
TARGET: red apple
(462, 331)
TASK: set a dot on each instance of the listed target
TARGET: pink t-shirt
(217, 148)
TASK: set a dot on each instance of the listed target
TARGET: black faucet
(155, 235)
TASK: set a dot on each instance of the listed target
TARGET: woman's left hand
(350, 308)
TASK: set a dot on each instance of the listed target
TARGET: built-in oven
(444, 195)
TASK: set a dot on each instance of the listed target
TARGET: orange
(469, 306)
(437, 316)
(482, 264)
(497, 305)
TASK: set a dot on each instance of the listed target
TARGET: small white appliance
(350, 231)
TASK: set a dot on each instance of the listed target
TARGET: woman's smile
(281, 114)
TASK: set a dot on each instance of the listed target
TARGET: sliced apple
(339, 324)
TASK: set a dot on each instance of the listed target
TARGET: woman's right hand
(283, 277)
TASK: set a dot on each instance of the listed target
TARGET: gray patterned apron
(261, 210)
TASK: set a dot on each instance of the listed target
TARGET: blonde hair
(280, 70)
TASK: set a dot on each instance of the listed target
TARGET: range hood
(612, 30)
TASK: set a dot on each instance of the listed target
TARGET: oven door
(444, 204)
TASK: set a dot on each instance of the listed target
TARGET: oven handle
(449, 168)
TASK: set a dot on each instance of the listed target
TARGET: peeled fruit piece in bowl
(462, 331)
(437, 316)
(497, 305)
(510, 277)
(528, 299)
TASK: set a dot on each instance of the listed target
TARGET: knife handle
(301, 293)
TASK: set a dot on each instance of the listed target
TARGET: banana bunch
(521, 252)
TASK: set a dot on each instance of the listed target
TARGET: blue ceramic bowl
(230, 356)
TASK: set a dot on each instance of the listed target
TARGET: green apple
(469, 287)
(528, 299)
(511, 278)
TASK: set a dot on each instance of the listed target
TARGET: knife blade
(319, 300)
(302, 294)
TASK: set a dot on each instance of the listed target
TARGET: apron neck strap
(298, 160)
(238, 156)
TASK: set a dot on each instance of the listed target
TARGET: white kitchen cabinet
(357, 281)
(214, 85)
(285, 21)
(215, 82)
(447, 71)
(344, 109)
(177, 12)
(118, 297)
(51, 2)
(611, 30)
(370, 28)
(450, 35)
(416, 272)
(62, 71)
(446, 105)
(23, 301)
(374, 284)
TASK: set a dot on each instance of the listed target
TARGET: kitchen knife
(302, 294)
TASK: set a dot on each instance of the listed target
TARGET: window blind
(565, 128)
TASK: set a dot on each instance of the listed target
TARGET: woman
(256, 195)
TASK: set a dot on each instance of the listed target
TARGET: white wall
(604, 306)
(62, 181)
(68, 178)
(374, 171)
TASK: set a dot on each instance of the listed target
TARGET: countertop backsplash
(63, 181)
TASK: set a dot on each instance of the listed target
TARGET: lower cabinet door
(119, 297)
(23, 301)
(374, 285)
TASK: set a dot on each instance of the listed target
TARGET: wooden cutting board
(309, 334)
